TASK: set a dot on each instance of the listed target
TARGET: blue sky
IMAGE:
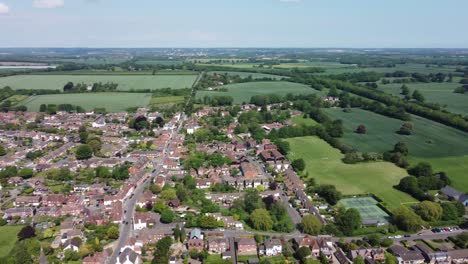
(234, 23)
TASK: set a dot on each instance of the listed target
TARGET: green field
(299, 120)
(126, 82)
(336, 68)
(323, 163)
(166, 100)
(113, 102)
(429, 140)
(247, 74)
(368, 209)
(441, 93)
(159, 62)
(8, 238)
(242, 92)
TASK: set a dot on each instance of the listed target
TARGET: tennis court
(370, 213)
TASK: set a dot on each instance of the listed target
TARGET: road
(126, 230)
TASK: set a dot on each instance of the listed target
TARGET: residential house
(375, 254)
(97, 258)
(195, 244)
(406, 256)
(459, 256)
(217, 245)
(455, 195)
(142, 220)
(22, 201)
(22, 212)
(341, 257)
(246, 246)
(72, 244)
(272, 247)
(128, 256)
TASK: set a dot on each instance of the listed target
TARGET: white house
(272, 247)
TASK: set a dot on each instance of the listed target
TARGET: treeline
(218, 79)
(52, 109)
(165, 92)
(419, 109)
(96, 87)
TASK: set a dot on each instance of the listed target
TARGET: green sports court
(370, 213)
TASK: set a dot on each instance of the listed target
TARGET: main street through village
(129, 206)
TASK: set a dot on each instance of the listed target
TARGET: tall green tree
(261, 219)
(311, 225)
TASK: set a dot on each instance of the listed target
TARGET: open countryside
(242, 92)
(126, 82)
(324, 164)
(112, 102)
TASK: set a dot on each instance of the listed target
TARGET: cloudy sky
(234, 23)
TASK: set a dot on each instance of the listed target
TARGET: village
(144, 177)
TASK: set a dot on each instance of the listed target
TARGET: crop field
(441, 93)
(429, 140)
(242, 92)
(323, 163)
(368, 209)
(113, 102)
(159, 62)
(336, 68)
(247, 74)
(127, 82)
(8, 238)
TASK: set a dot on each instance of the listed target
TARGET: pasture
(155, 101)
(299, 120)
(113, 102)
(441, 93)
(370, 213)
(324, 163)
(429, 140)
(8, 239)
(242, 92)
(337, 68)
(126, 82)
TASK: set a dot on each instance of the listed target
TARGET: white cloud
(4, 9)
(290, 1)
(48, 3)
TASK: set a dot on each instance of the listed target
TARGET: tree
(386, 242)
(329, 193)
(162, 251)
(168, 194)
(42, 108)
(26, 232)
(361, 129)
(358, 260)
(208, 221)
(302, 253)
(167, 216)
(421, 169)
(261, 220)
(26, 173)
(183, 235)
(406, 129)
(401, 147)
(83, 152)
(405, 90)
(311, 225)
(95, 144)
(21, 254)
(406, 219)
(348, 221)
(113, 232)
(252, 201)
(390, 259)
(417, 96)
(3, 151)
(177, 233)
(298, 165)
(429, 211)
(68, 87)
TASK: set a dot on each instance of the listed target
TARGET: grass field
(323, 163)
(127, 82)
(159, 62)
(15, 99)
(429, 140)
(246, 74)
(441, 93)
(242, 92)
(299, 120)
(8, 238)
(113, 102)
(336, 68)
(166, 100)
(368, 209)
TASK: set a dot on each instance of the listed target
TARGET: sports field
(429, 140)
(368, 209)
(242, 92)
(441, 93)
(8, 238)
(323, 163)
(113, 102)
(126, 82)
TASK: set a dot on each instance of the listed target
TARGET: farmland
(155, 101)
(441, 93)
(323, 163)
(242, 92)
(128, 82)
(247, 74)
(8, 238)
(113, 102)
(429, 140)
